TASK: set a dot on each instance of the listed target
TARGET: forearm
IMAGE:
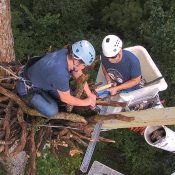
(87, 90)
(107, 77)
(129, 84)
(66, 97)
(76, 101)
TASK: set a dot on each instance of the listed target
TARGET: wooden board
(148, 117)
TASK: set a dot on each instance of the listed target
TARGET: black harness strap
(32, 61)
(29, 63)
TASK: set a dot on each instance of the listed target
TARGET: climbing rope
(16, 77)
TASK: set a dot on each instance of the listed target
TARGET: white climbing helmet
(111, 45)
(83, 50)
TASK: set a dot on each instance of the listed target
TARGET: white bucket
(166, 143)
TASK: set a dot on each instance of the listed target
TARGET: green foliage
(33, 34)
(132, 155)
(48, 164)
(2, 169)
(159, 37)
(123, 17)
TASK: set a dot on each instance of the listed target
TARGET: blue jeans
(43, 102)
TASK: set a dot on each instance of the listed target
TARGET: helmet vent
(91, 57)
(81, 44)
(77, 50)
(107, 40)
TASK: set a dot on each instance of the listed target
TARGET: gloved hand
(138, 129)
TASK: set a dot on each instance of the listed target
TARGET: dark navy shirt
(51, 72)
(127, 69)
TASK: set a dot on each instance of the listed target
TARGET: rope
(9, 72)
(6, 78)
(17, 77)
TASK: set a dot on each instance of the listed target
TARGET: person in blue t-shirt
(119, 66)
(49, 77)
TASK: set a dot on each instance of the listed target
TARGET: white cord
(17, 77)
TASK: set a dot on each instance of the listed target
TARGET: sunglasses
(112, 57)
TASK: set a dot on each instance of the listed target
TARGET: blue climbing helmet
(84, 50)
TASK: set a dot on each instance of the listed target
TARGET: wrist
(108, 81)
(87, 101)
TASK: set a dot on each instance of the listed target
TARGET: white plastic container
(166, 143)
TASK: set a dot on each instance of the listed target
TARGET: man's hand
(113, 90)
(92, 97)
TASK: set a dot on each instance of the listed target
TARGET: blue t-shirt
(127, 69)
(51, 72)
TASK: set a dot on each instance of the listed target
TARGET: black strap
(29, 63)
(32, 61)
(153, 81)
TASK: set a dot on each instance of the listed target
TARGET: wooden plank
(104, 87)
(148, 117)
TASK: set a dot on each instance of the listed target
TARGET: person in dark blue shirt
(49, 77)
(119, 66)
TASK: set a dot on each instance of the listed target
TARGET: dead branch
(15, 98)
(6, 126)
(79, 140)
(102, 139)
(44, 137)
(98, 118)
(68, 136)
(2, 147)
(75, 151)
(110, 103)
(2, 134)
(3, 98)
(22, 143)
(32, 168)
(8, 86)
(71, 117)
(79, 89)
(57, 143)
(81, 136)
(87, 138)
(16, 129)
(2, 142)
(32, 112)
(63, 132)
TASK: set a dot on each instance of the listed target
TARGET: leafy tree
(123, 18)
(33, 34)
(48, 164)
(132, 155)
(159, 37)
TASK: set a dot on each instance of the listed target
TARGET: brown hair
(69, 48)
